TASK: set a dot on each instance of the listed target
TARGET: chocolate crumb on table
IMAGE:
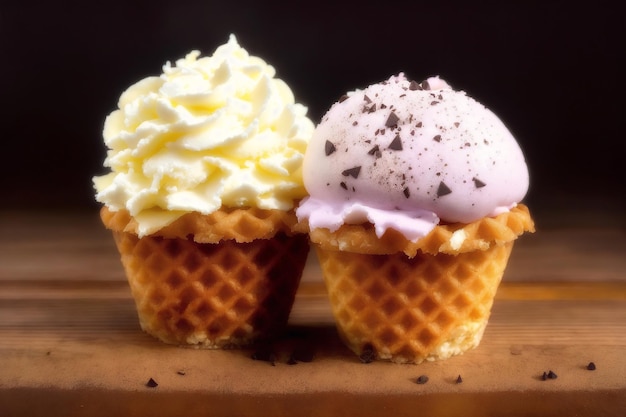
(548, 375)
(422, 379)
(591, 366)
(459, 379)
(152, 383)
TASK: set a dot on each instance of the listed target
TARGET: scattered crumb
(548, 375)
(422, 379)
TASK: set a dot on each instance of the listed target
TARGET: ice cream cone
(204, 173)
(414, 204)
(422, 306)
(229, 293)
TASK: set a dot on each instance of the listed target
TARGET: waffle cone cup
(409, 302)
(213, 281)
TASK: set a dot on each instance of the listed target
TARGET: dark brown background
(552, 72)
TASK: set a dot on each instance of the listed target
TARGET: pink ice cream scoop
(407, 155)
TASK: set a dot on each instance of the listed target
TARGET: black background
(553, 72)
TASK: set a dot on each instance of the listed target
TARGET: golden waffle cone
(424, 307)
(212, 295)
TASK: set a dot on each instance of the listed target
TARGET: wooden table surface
(70, 342)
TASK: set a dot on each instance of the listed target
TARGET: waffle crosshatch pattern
(410, 302)
(212, 295)
(410, 310)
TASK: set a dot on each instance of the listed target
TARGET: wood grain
(70, 343)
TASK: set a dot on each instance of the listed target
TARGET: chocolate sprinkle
(343, 185)
(437, 138)
(443, 189)
(422, 379)
(396, 144)
(367, 99)
(368, 355)
(459, 379)
(151, 383)
(329, 147)
(407, 192)
(375, 151)
(591, 366)
(353, 172)
(392, 120)
(478, 183)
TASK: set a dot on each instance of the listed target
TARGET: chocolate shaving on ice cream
(375, 151)
(478, 183)
(443, 189)
(392, 120)
(329, 148)
(396, 144)
(426, 154)
(352, 172)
